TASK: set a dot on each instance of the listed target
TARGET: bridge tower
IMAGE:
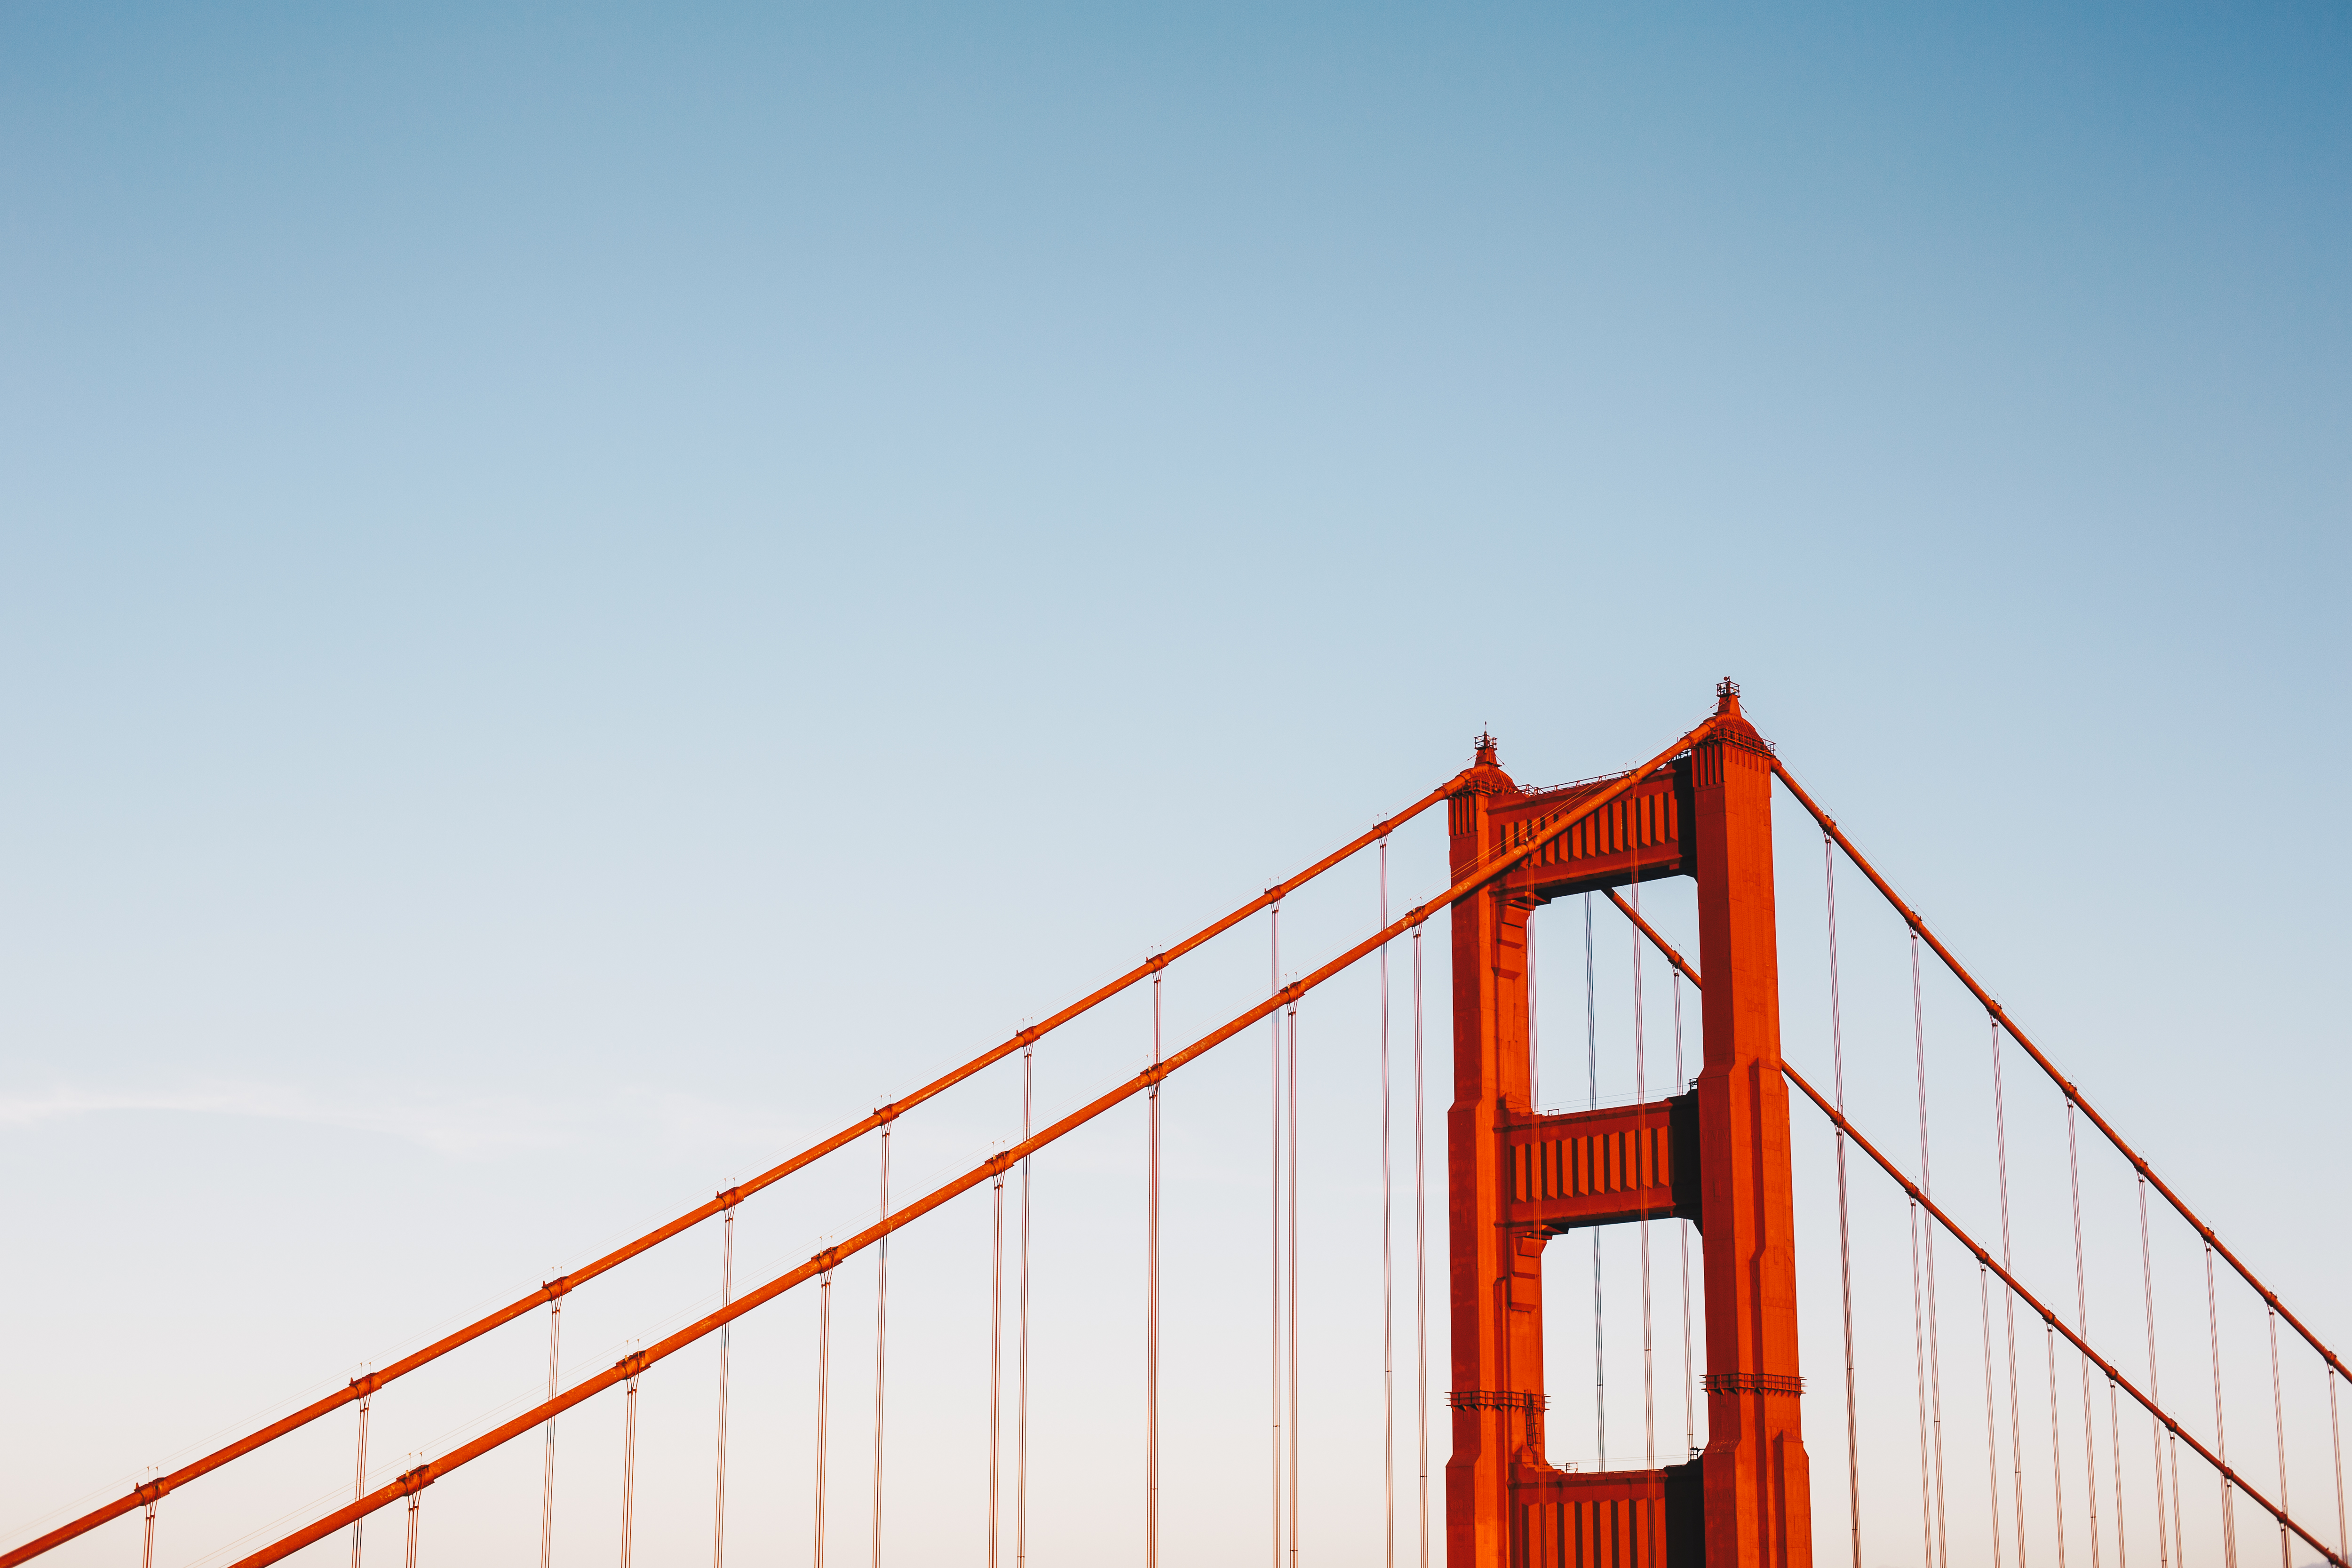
(1718, 1155)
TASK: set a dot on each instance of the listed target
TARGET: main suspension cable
(2269, 1301)
(1471, 879)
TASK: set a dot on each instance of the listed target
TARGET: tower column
(1496, 1278)
(1756, 1479)
(1718, 1156)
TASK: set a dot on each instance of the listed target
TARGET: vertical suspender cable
(2278, 1415)
(359, 1475)
(1592, 1077)
(1846, 1241)
(1690, 1375)
(415, 1501)
(824, 1387)
(2156, 1435)
(2083, 1327)
(2221, 1436)
(2336, 1440)
(1388, 1256)
(1531, 1430)
(2115, 1442)
(2179, 1552)
(1020, 1399)
(547, 1478)
(1290, 1154)
(1421, 1249)
(628, 1480)
(1993, 1440)
(1274, 1226)
(1642, 1096)
(1919, 1368)
(2050, 1345)
(881, 1341)
(1152, 1310)
(1935, 1357)
(726, 1357)
(147, 1543)
(2057, 1477)
(2009, 1298)
(1535, 1040)
(996, 1375)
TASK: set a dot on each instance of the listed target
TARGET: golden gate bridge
(1711, 1160)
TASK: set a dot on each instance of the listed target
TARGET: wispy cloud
(471, 1127)
(455, 1127)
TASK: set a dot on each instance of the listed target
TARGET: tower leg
(1755, 1474)
(1495, 1278)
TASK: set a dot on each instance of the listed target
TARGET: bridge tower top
(1717, 1156)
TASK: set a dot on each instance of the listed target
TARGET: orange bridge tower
(1717, 1156)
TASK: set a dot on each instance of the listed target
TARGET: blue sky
(586, 593)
